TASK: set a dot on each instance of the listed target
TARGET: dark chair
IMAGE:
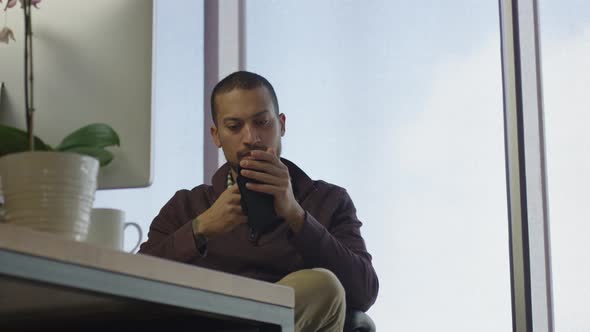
(358, 321)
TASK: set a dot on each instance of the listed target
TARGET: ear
(282, 120)
(215, 136)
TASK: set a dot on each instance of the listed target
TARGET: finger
(234, 189)
(264, 188)
(263, 177)
(230, 196)
(234, 199)
(263, 166)
(237, 209)
(265, 155)
(231, 191)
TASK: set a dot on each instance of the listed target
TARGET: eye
(263, 122)
(233, 126)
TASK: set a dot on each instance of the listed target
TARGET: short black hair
(243, 80)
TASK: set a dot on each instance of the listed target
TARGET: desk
(47, 282)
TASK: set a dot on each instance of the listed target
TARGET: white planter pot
(49, 191)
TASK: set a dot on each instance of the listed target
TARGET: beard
(234, 163)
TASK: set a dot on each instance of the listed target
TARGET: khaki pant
(320, 302)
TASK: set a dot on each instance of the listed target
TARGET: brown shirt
(330, 238)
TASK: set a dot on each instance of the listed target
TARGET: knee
(328, 285)
(320, 300)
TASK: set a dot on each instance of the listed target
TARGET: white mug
(107, 229)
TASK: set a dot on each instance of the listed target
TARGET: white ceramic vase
(49, 191)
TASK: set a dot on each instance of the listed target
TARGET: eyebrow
(229, 119)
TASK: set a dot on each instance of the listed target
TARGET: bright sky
(567, 114)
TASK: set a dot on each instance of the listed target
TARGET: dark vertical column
(242, 33)
(211, 58)
(530, 254)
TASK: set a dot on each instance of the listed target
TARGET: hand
(223, 216)
(267, 168)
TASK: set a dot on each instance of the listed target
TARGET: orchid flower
(5, 35)
(12, 3)
(9, 4)
(33, 3)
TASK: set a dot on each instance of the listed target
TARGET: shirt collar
(230, 180)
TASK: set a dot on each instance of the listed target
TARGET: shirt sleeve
(171, 232)
(341, 249)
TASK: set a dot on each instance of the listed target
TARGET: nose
(251, 136)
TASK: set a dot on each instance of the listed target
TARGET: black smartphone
(258, 207)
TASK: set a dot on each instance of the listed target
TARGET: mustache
(245, 153)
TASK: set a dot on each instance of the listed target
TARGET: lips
(242, 155)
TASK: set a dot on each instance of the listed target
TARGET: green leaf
(103, 156)
(13, 140)
(94, 135)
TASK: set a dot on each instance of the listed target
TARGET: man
(316, 248)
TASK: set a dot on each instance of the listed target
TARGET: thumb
(235, 189)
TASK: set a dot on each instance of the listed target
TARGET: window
(565, 50)
(401, 104)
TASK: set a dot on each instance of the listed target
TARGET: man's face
(246, 120)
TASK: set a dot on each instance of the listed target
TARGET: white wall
(92, 67)
(178, 114)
